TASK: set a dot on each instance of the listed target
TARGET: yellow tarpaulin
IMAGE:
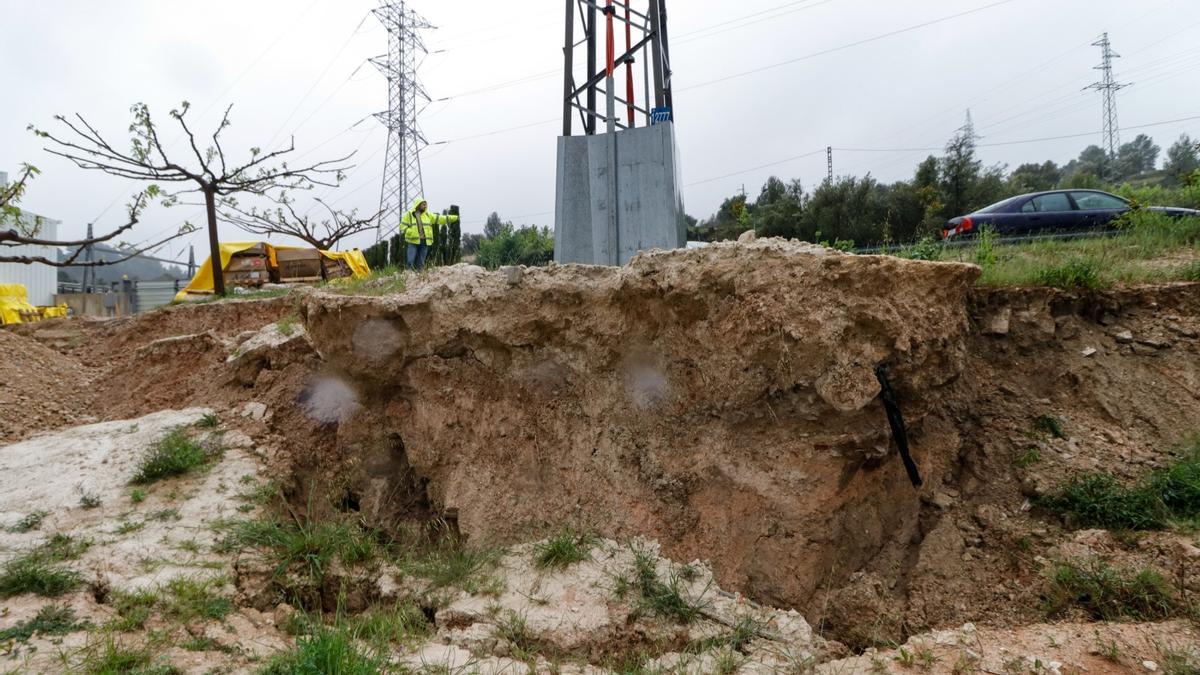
(354, 258)
(202, 283)
(14, 304)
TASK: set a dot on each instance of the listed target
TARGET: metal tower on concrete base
(1109, 87)
(402, 165)
(617, 187)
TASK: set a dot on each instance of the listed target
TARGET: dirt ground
(720, 406)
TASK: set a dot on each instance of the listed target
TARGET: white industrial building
(40, 280)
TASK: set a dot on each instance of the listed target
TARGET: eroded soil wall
(723, 401)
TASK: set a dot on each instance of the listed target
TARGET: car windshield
(998, 207)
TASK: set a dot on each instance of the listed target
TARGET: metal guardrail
(967, 242)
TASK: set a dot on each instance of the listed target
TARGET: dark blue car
(1054, 210)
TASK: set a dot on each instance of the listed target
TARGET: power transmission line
(1108, 86)
(402, 165)
(831, 50)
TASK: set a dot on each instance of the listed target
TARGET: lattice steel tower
(402, 166)
(1109, 87)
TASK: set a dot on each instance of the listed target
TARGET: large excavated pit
(723, 401)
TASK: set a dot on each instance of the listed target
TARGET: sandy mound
(40, 388)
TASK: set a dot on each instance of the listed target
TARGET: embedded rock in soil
(722, 401)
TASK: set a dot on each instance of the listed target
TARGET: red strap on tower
(608, 12)
(628, 65)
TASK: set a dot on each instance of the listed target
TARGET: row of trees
(865, 211)
(503, 244)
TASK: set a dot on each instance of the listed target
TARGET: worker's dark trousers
(416, 255)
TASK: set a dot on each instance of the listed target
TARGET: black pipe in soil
(896, 422)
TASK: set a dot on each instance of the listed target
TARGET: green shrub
(1108, 593)
(173, 455)
(526, 245)
(927, 248)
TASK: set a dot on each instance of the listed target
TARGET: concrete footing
(649, 199)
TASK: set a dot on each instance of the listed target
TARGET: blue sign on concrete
(660, 115)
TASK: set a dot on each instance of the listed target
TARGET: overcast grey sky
(297, 66)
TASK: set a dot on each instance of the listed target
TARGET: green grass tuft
(1107, 593)
(450, 564)
(208, 421)
(50, 620)
(666, 599)
(1076, 273)
(190, 598)
(29, 523)
(173, 455)
(328, 650)
(114, 658)
(401, 624)
(38, 571)
(1162, 498)
(1028, 458)
(1050, 425)
(302, 544)
(564, 549)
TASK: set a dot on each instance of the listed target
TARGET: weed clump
(1107, 593)
(30, 522)
(1076, 273)
(328, 650)
(112, 657)
(667, 599)
(173, 455)
(24, 575)
(50, 620)
(1050, 425)
(1163, 497)
(564, 549)
(403, 624)
(38, 571)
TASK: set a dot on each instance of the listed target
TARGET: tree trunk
(214, 245)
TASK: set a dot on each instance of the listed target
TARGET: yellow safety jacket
(413, 224)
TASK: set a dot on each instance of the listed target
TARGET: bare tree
(24, 231)
(283, 219)
(212, 176)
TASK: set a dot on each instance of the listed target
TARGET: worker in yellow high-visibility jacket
(418, 224)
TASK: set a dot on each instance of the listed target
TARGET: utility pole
(402, 165)
(1108, 86)
(191, 267)
(968, 129)
(829, 163)
(87, 258)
